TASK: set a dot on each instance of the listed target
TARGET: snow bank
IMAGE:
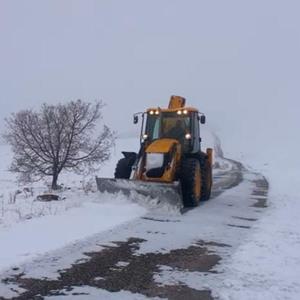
(30, 238)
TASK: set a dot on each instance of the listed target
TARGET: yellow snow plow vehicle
(169, 165)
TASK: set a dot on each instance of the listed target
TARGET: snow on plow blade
(165, 193)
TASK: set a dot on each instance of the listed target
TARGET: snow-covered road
(243, 244)
(157, 255)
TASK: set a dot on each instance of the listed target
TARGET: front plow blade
(165, 193)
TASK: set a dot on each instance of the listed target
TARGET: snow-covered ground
(215, 229)
(29, 227)
(29, 238)
(267, 265)
(262, 261)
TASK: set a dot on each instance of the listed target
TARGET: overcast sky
(238, 61)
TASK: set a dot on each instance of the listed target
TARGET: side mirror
(202, 119)
(135, 119)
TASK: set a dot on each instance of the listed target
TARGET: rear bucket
(164, 193)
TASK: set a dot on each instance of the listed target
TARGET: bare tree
(58, 137)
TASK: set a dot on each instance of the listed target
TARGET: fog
(237, 61)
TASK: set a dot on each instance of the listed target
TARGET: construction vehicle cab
(170, 154)
(180, 124)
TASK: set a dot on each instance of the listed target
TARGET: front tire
(191, 184)
(123, 168)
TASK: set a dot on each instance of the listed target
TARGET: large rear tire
(190, 178)
(123, 168)
(206, 180)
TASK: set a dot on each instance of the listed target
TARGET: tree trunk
(54, 185)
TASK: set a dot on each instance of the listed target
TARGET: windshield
(168, 125)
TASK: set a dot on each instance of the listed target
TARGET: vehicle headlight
(154, 160)
(188, 136)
